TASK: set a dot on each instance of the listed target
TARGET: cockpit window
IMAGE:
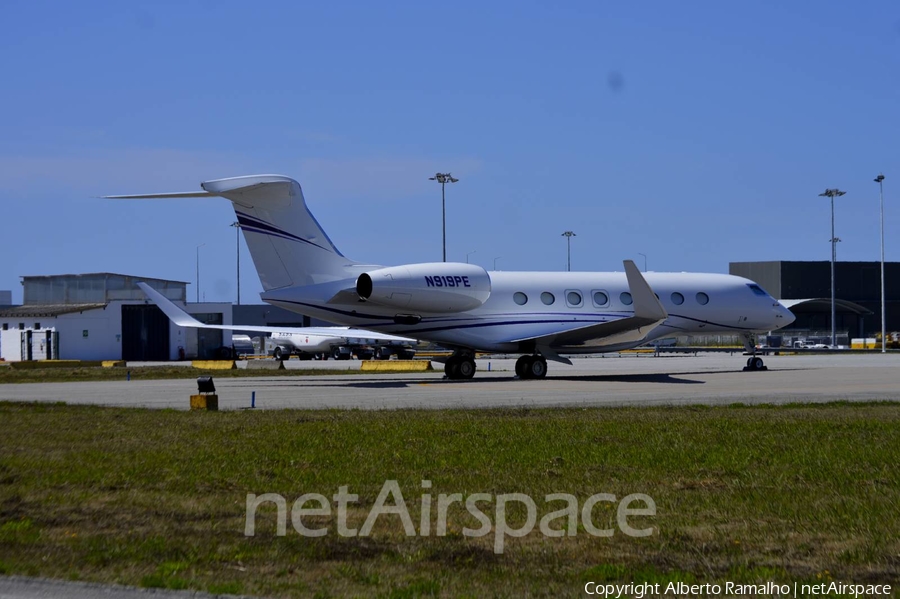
(757, 290)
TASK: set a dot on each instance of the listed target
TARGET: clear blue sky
(696, 133)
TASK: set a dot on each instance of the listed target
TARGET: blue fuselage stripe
(255, 225)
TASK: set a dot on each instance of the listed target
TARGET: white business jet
(305, 342)
(542, 315)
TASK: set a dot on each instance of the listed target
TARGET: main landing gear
(754, 362)
(460, 367)
(531, 367)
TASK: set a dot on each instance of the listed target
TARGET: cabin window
(520, 298)
(573, 299)
(677, 298)
(625, 298)
(548, 298)
(702, 298)
(600, 298)
(5, 326)
(37, 326)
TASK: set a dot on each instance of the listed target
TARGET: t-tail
(288, 246)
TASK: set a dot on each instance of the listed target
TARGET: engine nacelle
(430, 287)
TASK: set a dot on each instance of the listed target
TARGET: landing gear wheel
(466, 368)
(523, 366)
(754, 364)
(277, 353)
(537, 369)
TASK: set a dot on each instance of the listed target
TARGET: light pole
(469, 254)
(198, 271)
(237, 231)
(443, 179)
(832, 193)
(495, 261)
(879, 180)
(645, 260)
(568, 235)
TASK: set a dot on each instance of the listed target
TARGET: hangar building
(105, 316)
(805, 287)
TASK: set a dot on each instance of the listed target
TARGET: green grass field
(96, 373)
(157, 498)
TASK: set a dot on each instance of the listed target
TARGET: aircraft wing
(649, 313)
(183, 319)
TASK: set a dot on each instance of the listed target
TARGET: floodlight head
(879, 178)
(831, 193)
(443, 178)
(205, 384)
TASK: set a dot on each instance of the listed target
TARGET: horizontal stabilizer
(288, 246)
(173, 195)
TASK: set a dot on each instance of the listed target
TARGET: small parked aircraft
(303, 341)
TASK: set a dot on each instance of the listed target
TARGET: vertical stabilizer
(288, 246)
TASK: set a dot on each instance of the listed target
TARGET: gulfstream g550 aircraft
(542, 315)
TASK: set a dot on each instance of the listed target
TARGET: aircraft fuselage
(525, 304)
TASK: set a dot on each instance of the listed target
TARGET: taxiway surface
(597, 381)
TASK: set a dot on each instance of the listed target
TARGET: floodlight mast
(568, 235)
(879, 179)
(443, 179)
(237, 230)
(198, 271)
(832, 193)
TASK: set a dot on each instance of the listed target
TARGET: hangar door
(209, 341)
(145, 333)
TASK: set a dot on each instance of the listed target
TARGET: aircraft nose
(783, 316)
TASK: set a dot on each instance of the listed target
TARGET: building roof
(47, 310)
(823, 304)
(103, 274)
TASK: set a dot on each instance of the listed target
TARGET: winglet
(175, 314)
(646, 304)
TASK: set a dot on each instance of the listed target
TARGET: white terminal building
(105, 316)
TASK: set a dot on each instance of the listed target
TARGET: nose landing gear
(754, 362)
